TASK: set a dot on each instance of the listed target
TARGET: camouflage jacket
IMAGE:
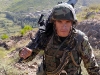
(57, 58)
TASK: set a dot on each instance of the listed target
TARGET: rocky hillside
(15, 14)
(91, 25)
(17, 41)
(35, 5)
(92, 30)
(9, 56)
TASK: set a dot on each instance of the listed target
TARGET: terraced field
(7, 26)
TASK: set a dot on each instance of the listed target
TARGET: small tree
(4, 36)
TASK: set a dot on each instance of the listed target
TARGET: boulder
(92, 29)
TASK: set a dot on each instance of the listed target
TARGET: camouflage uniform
(62, 56)
(78, 44)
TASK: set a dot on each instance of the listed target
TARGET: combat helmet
(63, 11)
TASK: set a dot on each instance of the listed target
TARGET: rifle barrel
(40, 18)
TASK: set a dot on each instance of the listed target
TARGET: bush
(22, 32)
(4, 36)
(25, 29)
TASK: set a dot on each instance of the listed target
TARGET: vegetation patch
(4, 36)
(25, 29)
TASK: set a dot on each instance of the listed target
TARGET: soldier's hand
(25, 52)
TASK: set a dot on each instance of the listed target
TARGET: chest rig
(57, 54)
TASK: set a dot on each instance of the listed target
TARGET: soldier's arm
(41, 44)
(88, 57)
(34, 46)
(30, 45)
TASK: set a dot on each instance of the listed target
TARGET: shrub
(22, 32)
(4, 36)
(25, 29)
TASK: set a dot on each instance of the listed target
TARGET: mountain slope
(26, 5)
(4, 4)
(35, 5)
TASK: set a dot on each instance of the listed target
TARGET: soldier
(66, 47)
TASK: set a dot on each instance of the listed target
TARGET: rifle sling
(71, 55)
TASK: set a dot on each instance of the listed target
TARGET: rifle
(45, 30)
(36, 40)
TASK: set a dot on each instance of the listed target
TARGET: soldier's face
(63, 27)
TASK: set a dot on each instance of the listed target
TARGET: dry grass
(89, 12)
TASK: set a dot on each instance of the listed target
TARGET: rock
(9, 44)
(92, 29)
(17, 40)
(89, 14)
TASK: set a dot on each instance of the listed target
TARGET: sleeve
(31, 45)
(88, 58)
